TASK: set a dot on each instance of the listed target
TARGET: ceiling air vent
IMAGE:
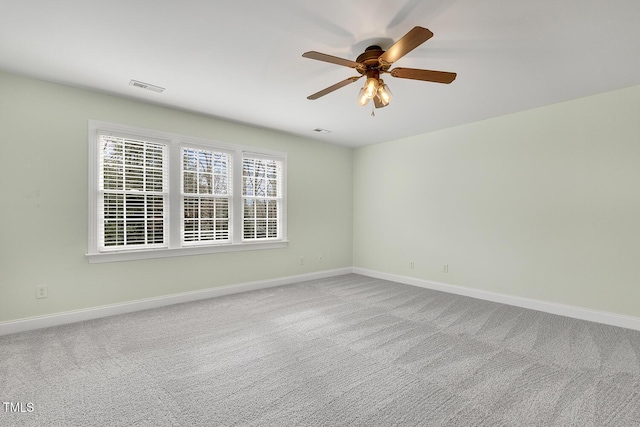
(147, 86)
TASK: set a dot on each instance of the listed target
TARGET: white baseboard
(539, 305)
(38, 322)
(56, 319)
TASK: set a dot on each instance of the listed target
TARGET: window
(205, 190)
(131, 193)
(153, 194)
(262, 197)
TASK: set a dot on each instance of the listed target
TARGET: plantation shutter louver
(132, 193)
(206, 183)
(262, 197)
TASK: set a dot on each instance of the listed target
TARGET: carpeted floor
(348, 350)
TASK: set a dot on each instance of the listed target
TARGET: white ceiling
(241, 59)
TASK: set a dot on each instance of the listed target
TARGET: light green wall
(542, 204)
(43, 208)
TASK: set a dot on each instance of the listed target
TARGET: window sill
(115, 256)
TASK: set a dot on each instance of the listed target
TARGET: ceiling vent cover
(147, 86)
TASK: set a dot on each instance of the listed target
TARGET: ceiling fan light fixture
(363, 98)
(384, 93)
(371, 87)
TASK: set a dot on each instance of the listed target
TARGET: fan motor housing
(370, 58)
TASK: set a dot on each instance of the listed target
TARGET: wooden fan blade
(424, 75)
(336, 86)
(331, 59)
(406, 44)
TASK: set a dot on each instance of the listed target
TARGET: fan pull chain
(373, 111)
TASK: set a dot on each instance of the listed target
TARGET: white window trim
(175, 142)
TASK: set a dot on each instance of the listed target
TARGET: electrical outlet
(320, 259)
(301, 260)
(42, 291)
(412, 265)
(445, 268)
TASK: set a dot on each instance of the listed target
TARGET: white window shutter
(262, 192)
(132, 188)
(206, 196)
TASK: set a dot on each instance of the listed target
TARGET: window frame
(129, 192)
(202, 196)
(174, 245)
(277, 199)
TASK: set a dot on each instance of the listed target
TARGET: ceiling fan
(374, 61)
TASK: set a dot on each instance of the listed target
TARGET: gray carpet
(348, 350)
